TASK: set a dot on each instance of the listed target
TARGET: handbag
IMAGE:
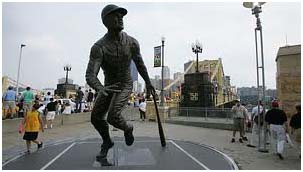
(288, 140)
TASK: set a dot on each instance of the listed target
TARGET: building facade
(166, 72)
(288, 77)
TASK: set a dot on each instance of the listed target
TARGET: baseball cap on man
(112, 8)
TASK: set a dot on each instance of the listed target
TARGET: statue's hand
(110, 88)
(150, 90)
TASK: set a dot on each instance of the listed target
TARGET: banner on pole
(157, 56)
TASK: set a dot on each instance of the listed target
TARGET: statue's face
(114, 21)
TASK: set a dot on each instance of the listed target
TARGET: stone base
(151, 112)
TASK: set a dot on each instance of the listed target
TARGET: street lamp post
(17, 88)
(256, 10)
(67, 68)
(162, 73)
(197, 48)
(215, 86)
(224, 94)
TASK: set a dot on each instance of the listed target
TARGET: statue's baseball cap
(112, 8)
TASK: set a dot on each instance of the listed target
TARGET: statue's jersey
(114, 57)
(116, 60)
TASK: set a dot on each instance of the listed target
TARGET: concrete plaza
(245, 157)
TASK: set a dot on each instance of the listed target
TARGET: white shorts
(9, 105)
(50, 115)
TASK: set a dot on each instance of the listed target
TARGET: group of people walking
(274, 130)
(36, 115)
(10, 100)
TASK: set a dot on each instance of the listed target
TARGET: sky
(57, 34)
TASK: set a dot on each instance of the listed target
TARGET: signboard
(157, 56)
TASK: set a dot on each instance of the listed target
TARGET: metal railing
(206, 113)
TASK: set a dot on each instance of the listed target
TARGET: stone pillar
(151, 112)
(289, 77)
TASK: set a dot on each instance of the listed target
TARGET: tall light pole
(67, 68)
(162, 72)
(197, 48)
(17, 88)
(256, 10)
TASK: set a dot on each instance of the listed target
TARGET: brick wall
(289, 78)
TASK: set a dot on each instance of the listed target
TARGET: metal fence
(222, 113)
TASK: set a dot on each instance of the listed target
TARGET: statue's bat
(161, 133)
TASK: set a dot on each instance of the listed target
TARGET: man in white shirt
(47, 98)
(142, 109)
(254, 133)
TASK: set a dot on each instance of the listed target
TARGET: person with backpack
(277, 120)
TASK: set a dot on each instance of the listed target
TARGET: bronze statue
(113, 53)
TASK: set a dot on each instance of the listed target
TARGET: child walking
(33, 123)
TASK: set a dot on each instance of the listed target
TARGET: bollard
(205, 114)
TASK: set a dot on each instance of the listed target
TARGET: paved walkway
(246, 158)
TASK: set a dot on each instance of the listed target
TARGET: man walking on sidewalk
(277, 120)
(256, 111)
(239, 116)
(295, 124)
(79, 97)
(9, 102)
(28, 97)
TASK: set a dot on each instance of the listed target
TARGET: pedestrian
(67, 109)
(79, 97)
(28, 99)
(9, 101)
(277, 121)
(50, 111)
(113, 53)
(90, 98)
(142, 109)
(245, 120)
(59, 106)
(256, 111)
(62, 107)
(295, 130)
(239, 117)
(33, 123)
(19, 97)
(20, 109)
(46, 98)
